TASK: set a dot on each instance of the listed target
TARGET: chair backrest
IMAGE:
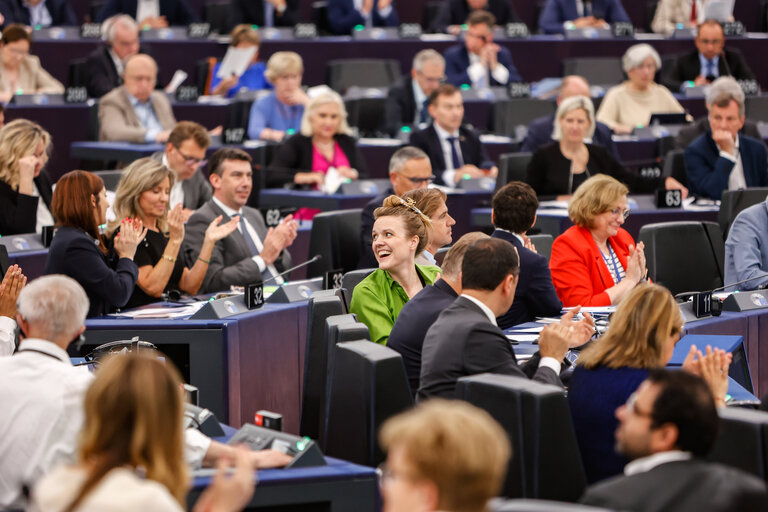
(509, 114)
(319, 17)
(203, 74)
(734, 201)
(546, 462)
(217, 14)
(336, 237)
(369, 387)
(341, 74)
(674, 166)
(321, 306)
(596, 70)
(440, 254)
(525, 505)
(684, 256)
(742, 440)
(756, 107)
(238, 113)
(77, 73)
(352, 279)
(512, 167)
(543, 244)
(365, 187)
(111, 178)
(367, 115)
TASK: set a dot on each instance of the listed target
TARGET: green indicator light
(464, 87)
(290, 131)
(254, 27)
(464, 26)
(405, 129)
(358, 28)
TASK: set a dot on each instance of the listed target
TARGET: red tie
(694, 18)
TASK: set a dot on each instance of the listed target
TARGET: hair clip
(410, 204)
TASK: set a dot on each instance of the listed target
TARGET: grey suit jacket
(197, 190)
(463, 342)
(118, 121)
(231, 261)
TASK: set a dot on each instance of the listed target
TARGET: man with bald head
(135, 112)
(540, 129)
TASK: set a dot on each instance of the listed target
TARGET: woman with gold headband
(399, 234)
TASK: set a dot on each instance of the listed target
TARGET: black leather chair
(77, 72)
(546, 463)
(365, 187)
(341, 74)
(217, 14)
(523, 505)
(238, 113)
(319, 16)
(684, 256)
(512, 167)
(596, 70)
(369, 387)
(543, 244)
(111, 178)
(674, 165)
(757, 107)
(351, 279)
(734, 201)
(742, 440)
(367, 115)
(336, 237)
(321, 305)
(510, 114)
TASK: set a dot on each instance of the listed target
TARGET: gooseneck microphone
(316, 257)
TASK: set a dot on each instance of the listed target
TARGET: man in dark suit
(104, 67)
(667, 428)
(465, 339)
(419, 313)
(557, 15)
(408, 101)
(722, 159)
(540, 130)
(455, 151)
(249, 254)
(264, 13)
(514, 213)
(38, 13)
(168, 13)
(479, 61)
(708, 61)
(343, 15)
(185, 155)
(453, 13)
(409, 168)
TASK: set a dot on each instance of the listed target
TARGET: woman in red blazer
(596, 262)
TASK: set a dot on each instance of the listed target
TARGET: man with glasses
(666, 429)
(408, 101)
(480, 62)
(409, 168)
(707, 62)
(185, 155)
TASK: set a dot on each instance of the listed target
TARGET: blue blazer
(708, 172)
(176, 12)
(413, 322)
(535, 294)
(540, 134)
(557, 12)
(107, 280)
(457, 62)
(746, 248)
(15, 11)
(342, 16)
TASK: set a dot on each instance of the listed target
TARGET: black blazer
(176, 12)
(252, 12)
(108, 280)
(295, 155)
(687, 67)
(535, 294)
(100, 73)
(549, 172)
(692, 132)
(413, 322)
(367, 259)
(15, 11)
(540, 134)
(683, 486)
(400, 108)
(472, 149)
(456, 12)
(18, 212)
(463, 342)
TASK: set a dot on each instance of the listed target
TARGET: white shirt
(419, 98)
(42, 412)
(736, 179)
(44, 217)
(39, 15)
(358, 4)
(449, 173)
(478, 73)
(256, 239)
(651, 461)
(147, 9)
(177, 191)
(7, 336)
(119, 65)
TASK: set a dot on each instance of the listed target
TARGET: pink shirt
(321, 164)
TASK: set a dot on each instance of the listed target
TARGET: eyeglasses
(631, 406)
(189, 160)
(419, 181)
(617, 211)
(430, 79)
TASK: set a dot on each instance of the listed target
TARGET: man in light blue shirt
(746, 249)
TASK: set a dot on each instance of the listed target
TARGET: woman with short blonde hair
(280, 113)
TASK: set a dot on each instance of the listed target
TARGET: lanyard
(613, 262)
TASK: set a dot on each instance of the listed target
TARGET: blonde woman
(242, 37)
(25, 190)
(280, 112)
(144, 193)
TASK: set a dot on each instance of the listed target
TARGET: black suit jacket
(456, 12)
(367, 259)
(463, 342)
(100, 73)
(295, 155)
(472, 149)
(18, 212)
(413, 322)
(683, 486)
(400, 108)
(540, 134)
(535, 294)
(176, 12)
(61, 12)
(252, 12)
(107, 280)
(687, 67)
(692, 132)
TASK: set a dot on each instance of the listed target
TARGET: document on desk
(163, 312)
(526, 338)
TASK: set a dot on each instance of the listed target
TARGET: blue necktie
(424, 113)
(454, 154)
(587, 8)
(710, 67)
(269, 14)
(266, 274)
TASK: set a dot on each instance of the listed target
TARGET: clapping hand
(582, 330)
(132, 231)
(10, 288)
(176, 223)
(215, 232)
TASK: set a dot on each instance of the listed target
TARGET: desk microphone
(717, 305)
(316, 257)
(754, 278)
